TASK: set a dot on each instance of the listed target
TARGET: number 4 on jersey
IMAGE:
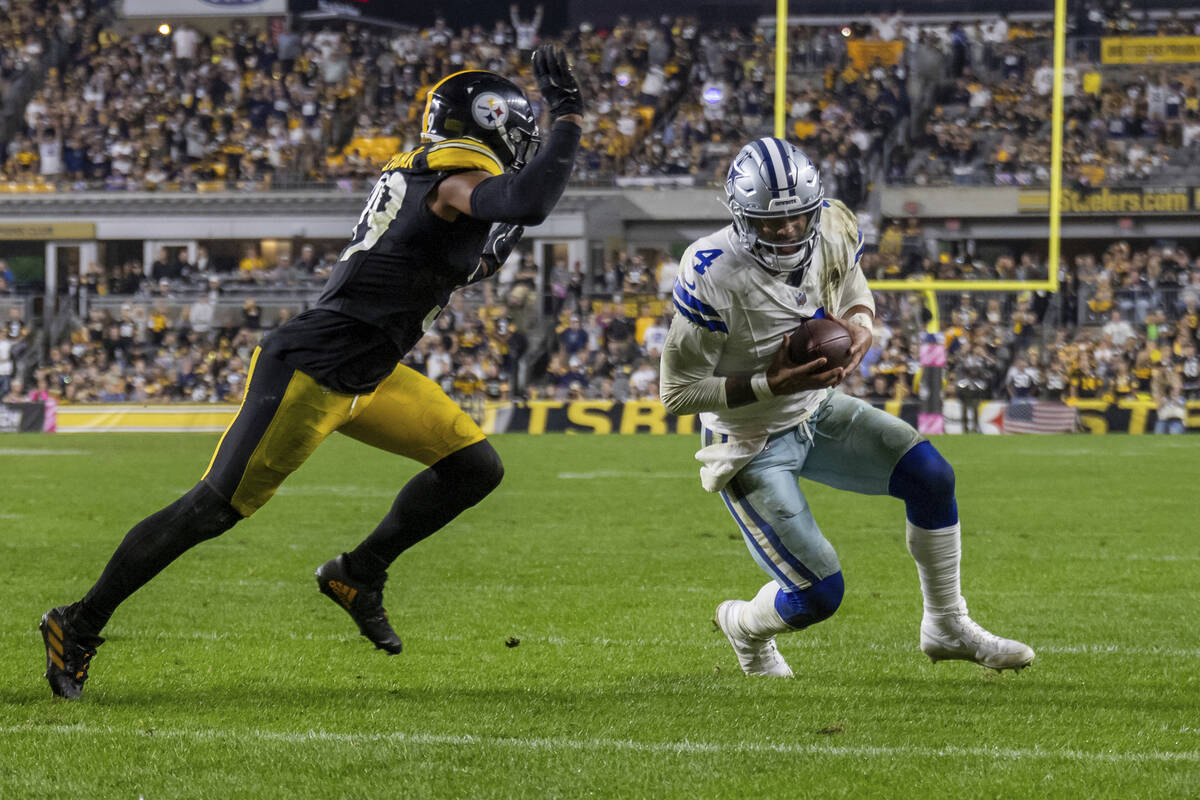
(704, 260)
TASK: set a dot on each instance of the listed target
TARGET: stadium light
(164, 29)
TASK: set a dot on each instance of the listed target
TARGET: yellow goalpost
(932, 285)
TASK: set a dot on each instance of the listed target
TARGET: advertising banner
(608, 416)
(866, 54)
(1135, 416)
(131, 418)
(1121, 200)
(576, 417)
(1150, 49)
(36, 231)
(165, 9)
(22, 417)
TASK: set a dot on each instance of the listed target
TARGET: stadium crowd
(241, 108)
(1126, 327)
(667, 99)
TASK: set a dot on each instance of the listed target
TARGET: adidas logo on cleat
(363, 600)
(345, 594)
(68, 656)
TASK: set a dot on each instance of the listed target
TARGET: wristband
(862, 318)
(760, 387)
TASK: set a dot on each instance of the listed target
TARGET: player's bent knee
(203, 514)
(922, 472)
(474, 471)
(812, 605)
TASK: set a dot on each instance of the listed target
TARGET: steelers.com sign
(165, 9)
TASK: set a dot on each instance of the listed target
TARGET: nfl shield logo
(801, 299)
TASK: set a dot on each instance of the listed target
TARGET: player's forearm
(708, 394)
(687, 383)
(693, 396)
(527, 197)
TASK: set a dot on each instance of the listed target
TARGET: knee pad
(925, 482)
(922, 472)
(473, 471)
(808, 606)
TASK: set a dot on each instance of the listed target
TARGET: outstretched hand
(556, 82)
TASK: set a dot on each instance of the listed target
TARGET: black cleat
(68, 656)
(363, 601)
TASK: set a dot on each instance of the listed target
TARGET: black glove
(556, 82)
(496, 250)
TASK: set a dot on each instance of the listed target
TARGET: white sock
(759, 619)
(937, 553)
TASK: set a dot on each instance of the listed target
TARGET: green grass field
(230, 676)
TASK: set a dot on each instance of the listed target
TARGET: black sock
(364, 566)
(148, 548)
(426, 503)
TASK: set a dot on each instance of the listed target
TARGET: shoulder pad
(453, 154)
(697, 294)
(409, 160)
(840, 226)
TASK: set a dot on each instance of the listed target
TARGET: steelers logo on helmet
(481, 105)
(490, 110)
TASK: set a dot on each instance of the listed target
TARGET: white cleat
(757, 656)
(957, 636)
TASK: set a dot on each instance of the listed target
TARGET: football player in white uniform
(766, 422)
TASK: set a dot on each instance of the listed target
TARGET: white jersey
(731, 316)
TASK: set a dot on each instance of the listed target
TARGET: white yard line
(29, 451)
(613, 473)
(558, 744)
(1100, 556)
(1085, 649)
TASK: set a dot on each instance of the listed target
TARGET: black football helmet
(481, 105)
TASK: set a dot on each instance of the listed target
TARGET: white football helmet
(774, 192)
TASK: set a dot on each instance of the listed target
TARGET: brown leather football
(820, 338)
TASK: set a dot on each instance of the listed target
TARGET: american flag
(1039, 417)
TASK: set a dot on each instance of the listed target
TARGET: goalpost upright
(930, 286)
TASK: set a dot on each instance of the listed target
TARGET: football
(820, 338)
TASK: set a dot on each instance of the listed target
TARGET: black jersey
(394, 277)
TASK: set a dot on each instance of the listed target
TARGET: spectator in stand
(1118, 330)
(1022, 381)
(7, 279)
(643, 381)
(1169, 403)
(655, 336)
(526, 32)
(573, 339)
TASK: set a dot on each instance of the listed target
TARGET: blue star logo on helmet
(489, 110)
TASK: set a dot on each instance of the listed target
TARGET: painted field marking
(30, 451)
(681, 747)
(613, 473)
(1166, 557)
(706, 642)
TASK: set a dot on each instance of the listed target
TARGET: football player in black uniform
(442, 216)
